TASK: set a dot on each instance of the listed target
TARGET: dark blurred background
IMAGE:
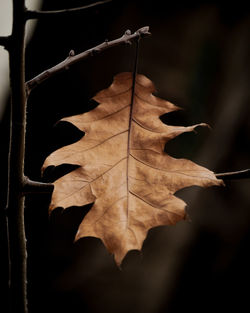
(198, 58)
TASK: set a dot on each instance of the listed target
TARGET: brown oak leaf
(123, 168)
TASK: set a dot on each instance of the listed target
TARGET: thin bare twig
(234, 175)
(30, 14)
(72, 58)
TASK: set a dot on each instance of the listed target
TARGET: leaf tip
(77, 236)
(51, 208)
(205, 125)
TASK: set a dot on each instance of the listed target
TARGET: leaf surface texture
(123, 168)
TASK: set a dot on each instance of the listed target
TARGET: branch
(72, 58)
(15, 200)
(234, 175)
(4, 41)
(30, 14)
(30, 186)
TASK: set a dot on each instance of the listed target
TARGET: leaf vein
(89, 183)
(176, 172)
(154, 206)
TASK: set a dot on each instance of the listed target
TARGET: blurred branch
(30, 14)
(234, 175)
(72, 58)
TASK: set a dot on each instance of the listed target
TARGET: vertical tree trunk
(15, 200)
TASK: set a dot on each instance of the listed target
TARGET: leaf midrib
(129, 137)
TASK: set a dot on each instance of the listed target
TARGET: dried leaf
(123, 167)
